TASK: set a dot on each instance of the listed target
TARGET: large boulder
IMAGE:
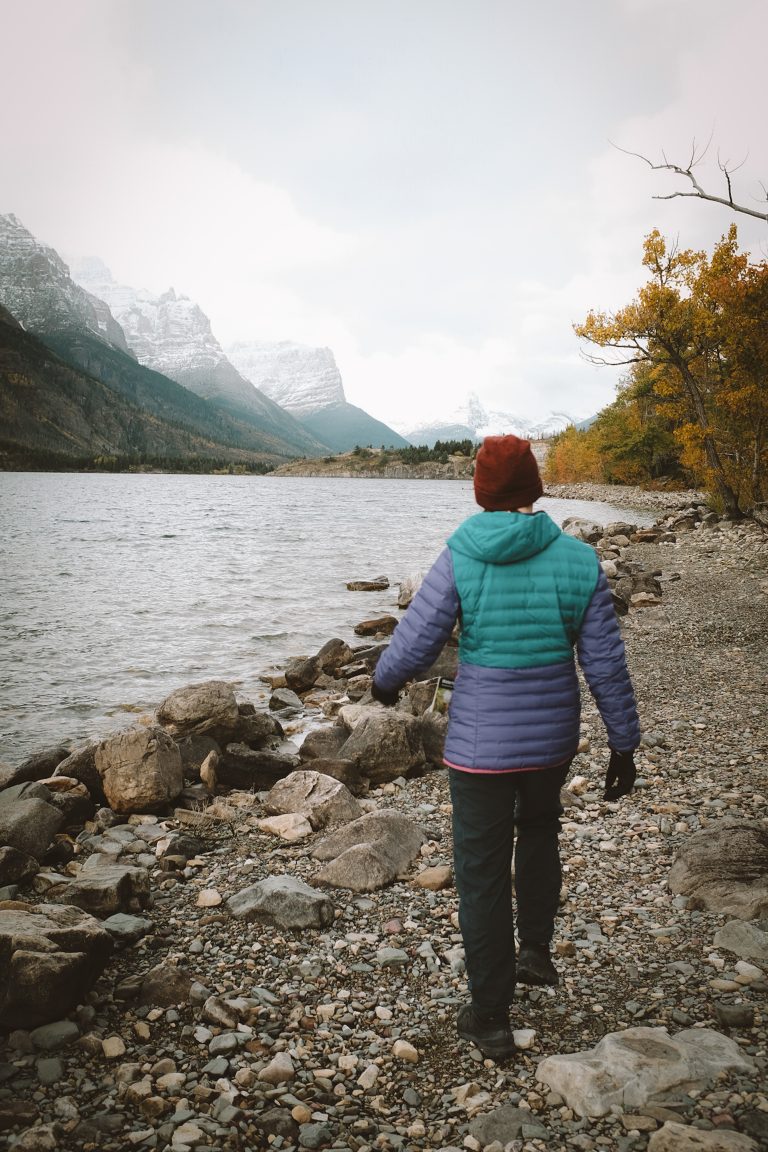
(256, 729)
(81, 765)
(301, 673)
(35, 767)
(284, 901)
(103, 888)
(627, 1069)
(674, 1137)
(16, 867)
(377, 626)
(325, 741)
(432, 727)
(384, 745)
(333, 656)
(28, 824)
(140, 769)
(725, 869)
(50, 957)
(582, 529)
(370, 852)
(320, 798)
(71, 797)
(199, 708)
(244, 767)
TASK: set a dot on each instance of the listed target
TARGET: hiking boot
(534, 965)
(491, 1034)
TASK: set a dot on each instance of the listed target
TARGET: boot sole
(532, 978)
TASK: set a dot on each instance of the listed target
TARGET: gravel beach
(344, 1037)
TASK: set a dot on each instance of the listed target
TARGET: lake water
(117, 589)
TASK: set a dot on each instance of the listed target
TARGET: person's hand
(621, 775)
(384, 697)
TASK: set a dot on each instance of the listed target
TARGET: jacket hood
(504, 537)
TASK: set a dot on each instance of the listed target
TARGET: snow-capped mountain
(299, 378)
(171, 334)
(473, 421)
(306, 382)
(36, 288)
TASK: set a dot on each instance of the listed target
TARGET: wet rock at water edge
(35, 767)
(384, 745)
(301, 673)
(140, 769)
(244, 767)
(333, 655)
(377, 584)
(379, 626)
(29, 825)
(199, 708)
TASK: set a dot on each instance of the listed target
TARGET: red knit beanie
(506, 474)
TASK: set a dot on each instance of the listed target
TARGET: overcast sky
(426, 186)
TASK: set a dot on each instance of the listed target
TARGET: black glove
(384, 697)
(621, 775)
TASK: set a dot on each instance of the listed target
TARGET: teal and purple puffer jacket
(525, 595)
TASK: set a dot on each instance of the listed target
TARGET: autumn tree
(696, 327)
(631, 441)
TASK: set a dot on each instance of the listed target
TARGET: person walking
(525, 595)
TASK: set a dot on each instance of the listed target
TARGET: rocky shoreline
(268, 901)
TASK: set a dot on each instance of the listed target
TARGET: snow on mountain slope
(299, 378)
(36, 288)
(472, 420)
(172, 335)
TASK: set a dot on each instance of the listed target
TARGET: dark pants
(486, 810)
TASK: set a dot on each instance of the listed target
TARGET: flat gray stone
(50, 1069)
(504, 1125)
(370, 852)
(748, 940)
(285, 901)
(104, 888)
(628, 1068)
(128, 929)
(50, 1037)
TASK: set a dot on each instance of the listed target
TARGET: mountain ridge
(37, 290)
(52, 413)
(171, 334)
(306, 381)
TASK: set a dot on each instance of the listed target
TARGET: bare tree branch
(699, 193)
